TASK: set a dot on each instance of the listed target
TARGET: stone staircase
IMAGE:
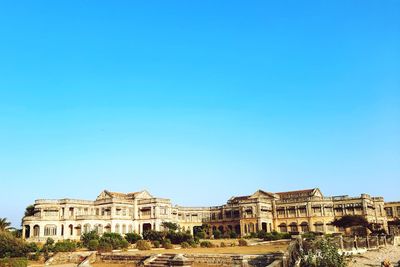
(168, 259)
(160, 260)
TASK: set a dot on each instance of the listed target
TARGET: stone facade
(295, 211)
(393, 215)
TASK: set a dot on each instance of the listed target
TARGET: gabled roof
(239, 198)
(257, 194)
(314, 192)
(108, 194)
(261, 193)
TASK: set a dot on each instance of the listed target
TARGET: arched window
(108, 228)
(319, 226)
(71, 230)
(50, 230)
(251, 228)
(36, 230)
(283, 228)
(304, 227)
(86, 228)
(99, 229)
(78, 230)
(27, 231)
(117, 228)
(130, 228)
(330, 227)
(124, 229)
(293, 227)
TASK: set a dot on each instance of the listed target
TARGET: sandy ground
(375, 257)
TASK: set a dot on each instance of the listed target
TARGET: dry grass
(256, 249)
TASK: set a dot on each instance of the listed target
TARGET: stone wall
(71, 257)
(233, 260)
(121, 258)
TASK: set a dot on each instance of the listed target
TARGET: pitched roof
(300, 193)
(239, 198)
(116, 194)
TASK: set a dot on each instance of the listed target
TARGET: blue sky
(197, 100)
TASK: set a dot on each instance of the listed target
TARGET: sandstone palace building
(295, 211)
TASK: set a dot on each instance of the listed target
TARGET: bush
(86, 237)
(93, 245)
(322, 253)
(133, 237)
(206, 244)
(200, 234)
(261, 234)
(242, 242)
(233, 234)
(309, 235)
(185, 245)
(156, 244)
(192, 243)
(217, 234)
(11, 246)
(253, 235)
(104, 247)
(179, 237)
(32, 247)
(222, 245)
(167, 244)
(143, 245)
(13, 262)
(114, 239)
(275, 236)
(153, 235)
(64, 246)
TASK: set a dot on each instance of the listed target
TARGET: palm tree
(4, 224)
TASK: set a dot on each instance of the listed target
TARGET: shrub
(222, 245)
(32, 247)
(114, 239)
(185, 245)
(170, 226)
(261, 234)
(133, 237)
(242, 242)
(322, 253)
(206, 244)
(192, 243)
(253, 235)
(86, 237)
(167, 244)
(217, 234)
(104, 247)
(143, 245)
(64, 246)
(93, 245)
(11, 246)
(233, 234)
(309, 235)
(153, 235)
(13, 262)
(179, 237)
(156, 244)
(200, 234)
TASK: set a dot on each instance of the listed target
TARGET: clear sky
(197, 100)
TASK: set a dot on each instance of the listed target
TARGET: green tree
(170, 226)
(351, 221)
(4, 224)
(322, 254)
(86, 237)
(133, 237)
(115, 240)
(30, 210)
